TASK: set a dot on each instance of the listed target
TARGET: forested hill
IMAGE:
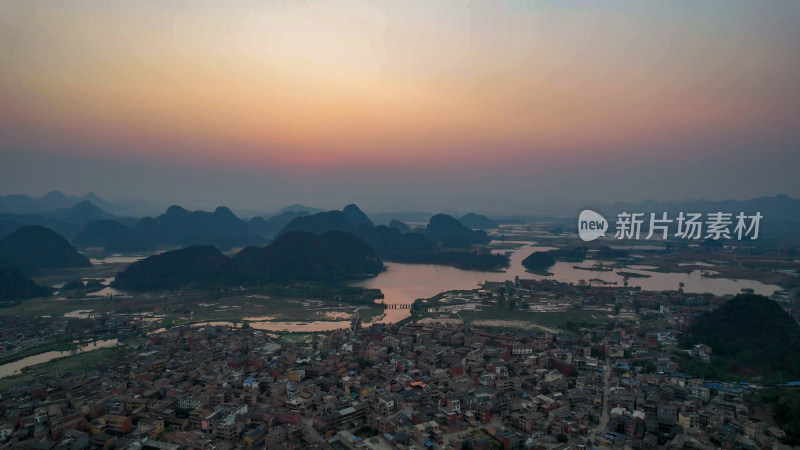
(296, 256)
(749, 334)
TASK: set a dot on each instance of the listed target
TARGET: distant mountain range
(65, 221)
(295, 256)
(430, 244)
(400, 226)
(300, 208)
(441, 229)
(55, 200)
(272, 226)
(324, 246)
(89, 226)
(179, 227)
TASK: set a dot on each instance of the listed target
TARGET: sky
(496, 107)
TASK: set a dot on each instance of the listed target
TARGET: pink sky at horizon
(311, 87)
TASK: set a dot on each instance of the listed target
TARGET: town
(427, 382)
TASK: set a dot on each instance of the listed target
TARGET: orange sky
(388, 84)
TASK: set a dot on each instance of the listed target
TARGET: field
(82, 361)
(495, 315)
(201, 307)
(549, 321)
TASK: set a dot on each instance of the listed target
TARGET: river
(403, 283)
(14, 368)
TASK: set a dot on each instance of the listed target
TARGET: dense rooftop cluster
(384, 386)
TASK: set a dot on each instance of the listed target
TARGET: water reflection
(403, 283)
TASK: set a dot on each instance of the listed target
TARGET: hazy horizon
(498, 108)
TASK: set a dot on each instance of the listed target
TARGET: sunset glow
(312, 86)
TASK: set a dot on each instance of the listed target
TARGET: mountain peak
(296, 207)
(452, 233)
(84, 211)
(54, 195)
(176, 210)
(224, 211)
(85, 204)
(32, 247)
(354, 214)
(477, 221)
(92, 197)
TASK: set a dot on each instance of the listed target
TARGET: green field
(82, 361)
(547, 319)
(205, 307)
(61, 345)
(51, 307)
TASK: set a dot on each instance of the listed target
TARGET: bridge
(399, 306)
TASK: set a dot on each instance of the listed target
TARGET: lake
(403, 283)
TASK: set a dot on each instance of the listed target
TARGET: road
(606, 391)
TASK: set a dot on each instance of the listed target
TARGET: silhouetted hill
(179, 227)
(320, 223)
(295, 256)
(356, 216)
(451, 233)
(109, 234)
(8, 225)
(539, 261)
(386, 241)
(477, 222)
(299, 208)
(10, 222)
(64, 221)
(390, 242)
(200, 266)
(392, 245)
(404, 216)
(32, 248)
(303, 256)
(55, 200)
(749, 334)
(400, 226)
(176, 227)
(83, 212)
(15, 285)
(273, 225)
